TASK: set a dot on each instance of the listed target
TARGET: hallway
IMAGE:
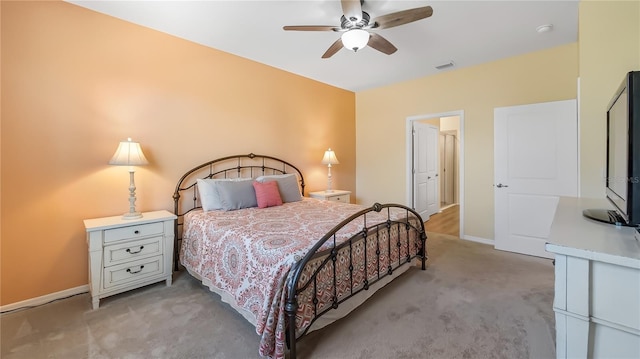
(445, 222)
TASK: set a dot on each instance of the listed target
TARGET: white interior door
(425, 165)
(535, 162)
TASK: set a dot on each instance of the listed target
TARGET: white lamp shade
(330, 158)
(128, 154)
(355, 39)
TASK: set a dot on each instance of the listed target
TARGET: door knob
(500, 185)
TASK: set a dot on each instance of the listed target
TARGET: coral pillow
(267, 194)
(287, 185)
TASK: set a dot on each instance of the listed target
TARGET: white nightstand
(128, 254)
(335, 195)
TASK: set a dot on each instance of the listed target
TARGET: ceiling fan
(355, 23)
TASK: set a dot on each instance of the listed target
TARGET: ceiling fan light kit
(355, 39)
(355, 23)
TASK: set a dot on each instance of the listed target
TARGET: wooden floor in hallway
(445, 222)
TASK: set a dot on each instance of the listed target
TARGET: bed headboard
(186, 196)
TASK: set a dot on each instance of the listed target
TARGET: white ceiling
(465, 32)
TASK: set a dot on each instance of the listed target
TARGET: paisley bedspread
(246, 255)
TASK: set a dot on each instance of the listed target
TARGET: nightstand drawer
(129, 251)
(342, 198)
(131, 232)
(132, 271)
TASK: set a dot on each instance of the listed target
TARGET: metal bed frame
(299, 281)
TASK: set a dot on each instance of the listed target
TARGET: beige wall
(381, 116)
(609, 47)
(76, 82)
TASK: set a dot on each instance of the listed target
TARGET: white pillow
(209, 198)
(287, 184)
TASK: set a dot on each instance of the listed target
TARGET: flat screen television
(622, 181)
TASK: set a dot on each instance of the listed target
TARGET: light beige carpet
(471, 302)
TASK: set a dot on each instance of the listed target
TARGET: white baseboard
(45, 298)
(490, 242)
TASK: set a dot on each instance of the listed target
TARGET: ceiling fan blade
(403, 17)
(381, 44)
(335, 47)
(311, 28)
(352, 10)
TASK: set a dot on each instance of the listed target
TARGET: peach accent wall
(76, 82)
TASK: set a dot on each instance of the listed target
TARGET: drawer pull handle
(136, 232)
(139, 250)
(138, 271)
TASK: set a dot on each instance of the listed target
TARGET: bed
(289, 264)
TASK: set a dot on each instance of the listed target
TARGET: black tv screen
(618, 153)
(623, 155)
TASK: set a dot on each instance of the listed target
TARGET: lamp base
(132, 215)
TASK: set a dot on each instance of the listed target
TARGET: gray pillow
(236, 194)
(287, 184)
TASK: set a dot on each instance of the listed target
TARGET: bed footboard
(338, 268)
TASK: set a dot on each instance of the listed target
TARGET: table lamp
(130, 154)
(329, 159)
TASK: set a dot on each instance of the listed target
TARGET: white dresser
(128, 254)
(335, 195)
(597, 284)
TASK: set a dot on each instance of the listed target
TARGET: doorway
(450, 184)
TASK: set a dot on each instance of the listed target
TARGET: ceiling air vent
(445, 65)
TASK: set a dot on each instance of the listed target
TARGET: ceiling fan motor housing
(348, 24)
